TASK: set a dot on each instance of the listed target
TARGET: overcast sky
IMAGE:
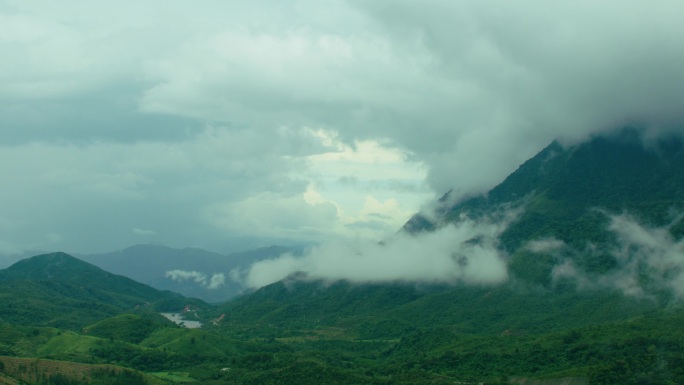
(233, 124)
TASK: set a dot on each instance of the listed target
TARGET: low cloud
(546, 245)
(181, 275)
(216, 281)
(648, 260)
(465, 252)
(143, 232)
(213, 282)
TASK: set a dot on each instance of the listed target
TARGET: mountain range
(591, 235)
(192, 272)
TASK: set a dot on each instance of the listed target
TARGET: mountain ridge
(188, 271)
(571, 194)
(60, 290)
(562, 245)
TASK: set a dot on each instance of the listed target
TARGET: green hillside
(38, 372)
(61, 291)
(66, 270)
(128, 327)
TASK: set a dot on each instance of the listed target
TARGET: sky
(233, 125)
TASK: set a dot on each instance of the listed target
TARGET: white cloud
(143, 232)
(546, 245)
(648, 260)
(182, 275)
(466, 252)
(216, 280)
(646, 254)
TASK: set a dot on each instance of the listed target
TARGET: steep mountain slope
(569, 194)
(192, 272)
(569, 264)
(59, 290)
(560, 184)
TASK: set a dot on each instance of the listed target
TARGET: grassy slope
(38, 371)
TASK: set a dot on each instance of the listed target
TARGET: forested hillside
(59, 290)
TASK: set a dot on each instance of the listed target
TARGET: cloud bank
(465, 252)
(214, 282)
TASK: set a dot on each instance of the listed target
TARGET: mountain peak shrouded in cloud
(232, 125)
(605, 213)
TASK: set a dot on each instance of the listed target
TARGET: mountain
(563, 185)
(571, 194)
(192, 272)
(590, 233)
(568, 195)
(7, 260)
(593, 246)
(59, 290)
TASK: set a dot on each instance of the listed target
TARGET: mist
(649, 260)
(215, 281)
(466, 252)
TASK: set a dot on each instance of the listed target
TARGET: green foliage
(113, 377)
(568, 193)
(49, 372)
(61, 291)
(648, 348)
(533, 267)
(125, 327)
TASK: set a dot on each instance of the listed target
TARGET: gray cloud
(194, 119)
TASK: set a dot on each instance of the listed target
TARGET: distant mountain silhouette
(153, 264)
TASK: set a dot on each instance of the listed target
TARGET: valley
(591, 294)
